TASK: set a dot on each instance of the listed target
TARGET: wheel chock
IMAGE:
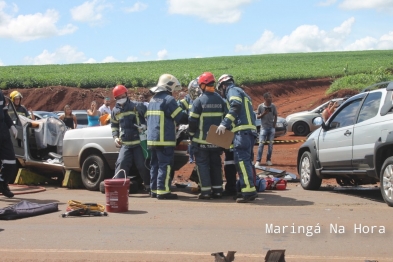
(72, 180)
(27, 177)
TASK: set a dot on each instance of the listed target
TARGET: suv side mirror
(317, 121)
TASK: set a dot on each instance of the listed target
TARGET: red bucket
(116, 192)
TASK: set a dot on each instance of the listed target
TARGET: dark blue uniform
(162, 113)
(208, 109)
(123, 120)
(186, 104)
(241, 120)
(7, 154)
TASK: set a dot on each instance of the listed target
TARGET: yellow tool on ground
(76, 208)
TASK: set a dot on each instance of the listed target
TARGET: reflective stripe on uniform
(162, 129)
(167, 177)
(121, 115)
(131, 143)
(246, 101)
(200, 139)
(231, 117)
(8, 161)
(194, 115)
(161, 143)
(229, 162)
(248, 188)
(176, 112)
(235, 98)
(244, 127)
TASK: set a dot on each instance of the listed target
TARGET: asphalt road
(324, 225)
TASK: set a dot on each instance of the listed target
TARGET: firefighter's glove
(117, 142)
(221, 130)
(142, 127)
(14, 131)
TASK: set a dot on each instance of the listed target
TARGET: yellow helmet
(15, 94)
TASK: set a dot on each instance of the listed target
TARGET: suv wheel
(308, 177)
(301, 129)
(386, 181)
(94, 170)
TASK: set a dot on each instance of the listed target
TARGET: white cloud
(305, 38)
(310, 38)
(31, 26)
(137, 7)
(132, 59)
(90, 61)
(162, 54)
(89, 11)
(109, 59)
(1, 63)
(385, 42)
(379, 5)
(223, 11)
(63, 55)
(327, 3)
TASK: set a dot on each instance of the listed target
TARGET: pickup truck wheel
(308, 177)
(94, 169)
(301, 129)
(386, 181)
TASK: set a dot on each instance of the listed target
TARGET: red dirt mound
(289, 96)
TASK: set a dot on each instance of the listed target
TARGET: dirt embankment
(289, 96)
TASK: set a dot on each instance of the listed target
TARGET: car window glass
(13, 115)
(346, 116)
(81, 119)
(370, 106)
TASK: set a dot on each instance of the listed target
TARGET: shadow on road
(266, 198)
(369, 193)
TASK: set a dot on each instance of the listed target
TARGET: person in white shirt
(142, 99)
(105, 108)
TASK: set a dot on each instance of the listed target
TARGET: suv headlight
(279, 125)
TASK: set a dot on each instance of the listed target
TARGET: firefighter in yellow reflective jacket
(162, 113)
(127, 118)
(208, 109)
(241, 120)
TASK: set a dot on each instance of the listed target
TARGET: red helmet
(206, 78)
(119, 90)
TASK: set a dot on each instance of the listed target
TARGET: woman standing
(93, 115)
(69, 118)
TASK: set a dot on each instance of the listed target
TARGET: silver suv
(355, 145)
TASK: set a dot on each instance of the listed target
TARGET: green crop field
(245, 69)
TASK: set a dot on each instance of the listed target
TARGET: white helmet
(166, 82)
(194, 90)
(225, 78)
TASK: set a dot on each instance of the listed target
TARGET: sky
(42, 32)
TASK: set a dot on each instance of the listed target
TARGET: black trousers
(7, 154)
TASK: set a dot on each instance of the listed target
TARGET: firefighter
(194, 91)
(241, 120)
(208, 109)
(16, 99)
(127, 121)
(162, 113)
(7, 154)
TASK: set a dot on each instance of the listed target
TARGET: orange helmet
(206, 78)
(119, 90)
